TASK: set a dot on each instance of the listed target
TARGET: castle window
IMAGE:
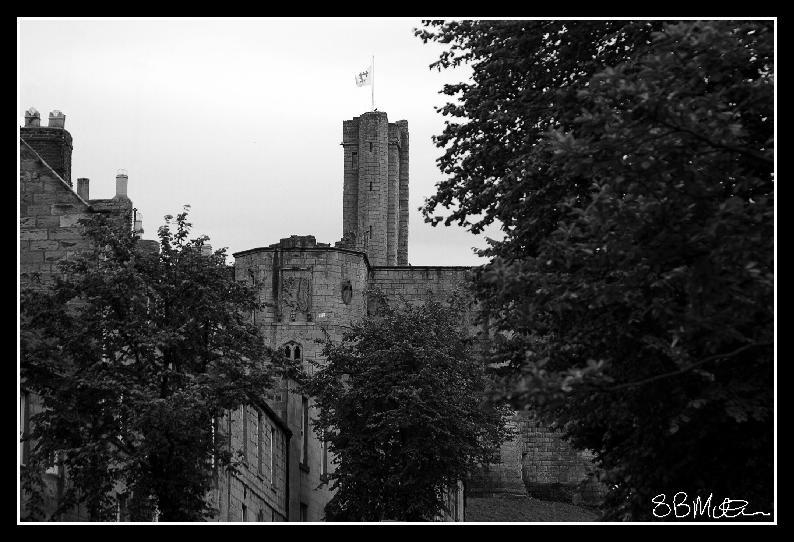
(304, 512)
(370, 186)
(272, 454)
(245, 513)
(260, 444)
(244, 418)
(370, 146)
(304, 429)
(292, 350)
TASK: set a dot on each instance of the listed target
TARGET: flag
(364, 78)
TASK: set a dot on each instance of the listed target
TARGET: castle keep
(308, 288)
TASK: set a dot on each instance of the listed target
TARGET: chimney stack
(32, 118)
(206, 249)
(121, 184)
(137, 227)
(57, 119)
(52, 143)
(82, 188)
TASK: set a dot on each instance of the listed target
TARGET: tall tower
(375, 195)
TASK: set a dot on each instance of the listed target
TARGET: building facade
(308, 290)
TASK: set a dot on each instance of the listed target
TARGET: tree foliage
(133, 354)
(630, 166)
(401, 405)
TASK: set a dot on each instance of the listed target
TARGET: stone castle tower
(375, 193)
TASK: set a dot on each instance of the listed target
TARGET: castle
(307, 289)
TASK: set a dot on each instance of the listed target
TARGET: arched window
(292, 350)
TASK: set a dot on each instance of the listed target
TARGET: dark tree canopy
(401, 404)
(134, 353)
(630, 166)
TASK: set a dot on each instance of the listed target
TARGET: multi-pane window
(272, 455)
(304, 429)
(244, 418)
(260, 445)
(292, 350)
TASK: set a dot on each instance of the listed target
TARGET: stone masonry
(49, 232)
(309, 290)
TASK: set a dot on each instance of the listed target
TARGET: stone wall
(260, 486)
(308, 290)
(416, 284)
(48, 211)
(541, 463)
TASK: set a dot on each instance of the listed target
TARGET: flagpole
(373, 82)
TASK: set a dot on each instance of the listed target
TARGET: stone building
(49, 232)
(308, 289)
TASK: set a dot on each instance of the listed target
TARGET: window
(213, 436)
(304, 429)
(370, 146)
(245, 512)
(272, 458)
(121, 507)
(260, 516)
(54, 463)
(23, 427)
(355, 161)
(304, 512)
(292, 350)
(324, 460)
(244, 418)
(260, 445)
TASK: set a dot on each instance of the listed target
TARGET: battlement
(299, 241)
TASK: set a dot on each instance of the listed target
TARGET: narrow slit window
(260, 445)
(305, 430)
(244, 418)
(272, 458)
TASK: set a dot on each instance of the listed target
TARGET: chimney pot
(82, 188)
(57, 119)
(32, 118)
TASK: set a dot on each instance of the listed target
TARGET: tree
(630, 166)
(134, 354)
(400, 403)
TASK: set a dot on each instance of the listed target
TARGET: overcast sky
(241, 119)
